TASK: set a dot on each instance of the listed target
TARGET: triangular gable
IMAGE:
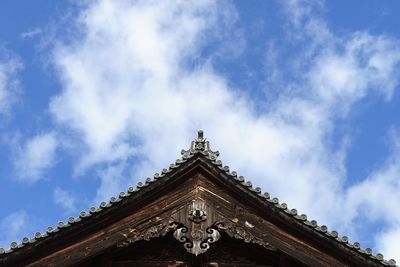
(195, 200)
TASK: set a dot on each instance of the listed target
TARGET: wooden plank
(150, 264)
(111, 235)
(284, 261)
(162, 209)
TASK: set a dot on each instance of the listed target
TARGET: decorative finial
(200, 134)
(202, 146)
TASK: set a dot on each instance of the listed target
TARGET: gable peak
(200, 145)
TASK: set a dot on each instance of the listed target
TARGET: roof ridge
(201, 147)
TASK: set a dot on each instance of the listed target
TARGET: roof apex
(200, 145)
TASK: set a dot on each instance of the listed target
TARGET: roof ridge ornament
(200, 145)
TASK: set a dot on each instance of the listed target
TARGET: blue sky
(300, 97)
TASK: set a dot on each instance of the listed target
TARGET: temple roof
(199, 149)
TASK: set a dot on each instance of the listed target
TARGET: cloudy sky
(300, 97)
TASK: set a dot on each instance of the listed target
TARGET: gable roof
(199, 154)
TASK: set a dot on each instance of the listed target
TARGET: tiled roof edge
(202, 147)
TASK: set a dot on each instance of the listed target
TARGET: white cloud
(129, 91)
(367, 62)
(34, 157)
(65, 199)
(12, 226)
(31, 33)
(9, 83)
(113, 179)
(378, 195)
(388, 242)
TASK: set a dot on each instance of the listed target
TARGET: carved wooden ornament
(196, 225)
(157, 230)
(196, 241)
